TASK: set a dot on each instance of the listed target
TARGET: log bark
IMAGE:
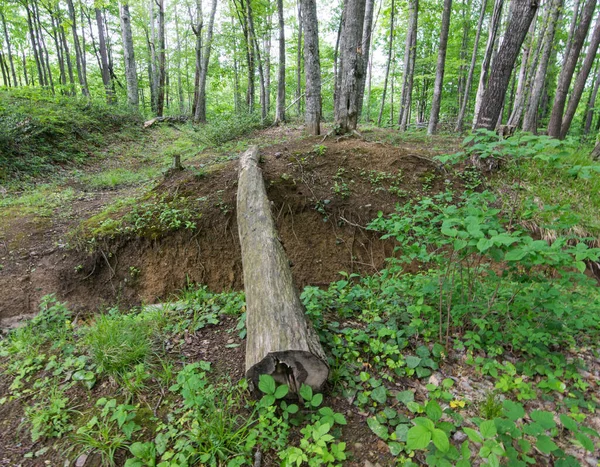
(280, 341)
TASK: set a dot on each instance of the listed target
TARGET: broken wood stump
(280, 340)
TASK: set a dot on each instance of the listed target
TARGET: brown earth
(322, 200)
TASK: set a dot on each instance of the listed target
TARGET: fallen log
(179, 119)
(280, 341)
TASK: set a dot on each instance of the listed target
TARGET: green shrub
(228, 127)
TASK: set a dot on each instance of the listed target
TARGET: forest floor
(124, 231)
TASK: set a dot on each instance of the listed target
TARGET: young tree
(581, 79)
(535, 95)
(410, 54)
(312, 67)
(129, 55)
(280, 106)
(200, 113)
(162, 59)
(568, 69)
(110, 97)
(439, 72)
(521, 14)
(469, 82)
(388, 64)
(365, 47)
(351, 67)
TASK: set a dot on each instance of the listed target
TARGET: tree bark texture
(104, 58)
(388, 64)
(280, 340)
(568, 69)
(200, 111)
(589, 118)
(351, 66)
(521, 14)
(312, 67)
(366, 48)
(439, 72)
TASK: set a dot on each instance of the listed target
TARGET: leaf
(316, 400)
(513, 410)
(580, 265)
(545, 444)
(433, 411)
(545, 419)
(488, 429)
(585, 441)
(568, 422)
(473, 435)
(266, 384)
(424, 422)
(306, 392)
(402, 432)
(379, 395)
(377, 428)
(440, 440)
(515, 255)
(423, 351)
(418, 437)
(395, 448)
(281, 391)
(412, 362)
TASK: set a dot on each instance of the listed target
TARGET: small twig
(257, 458)
(352, 223)
(160, 399)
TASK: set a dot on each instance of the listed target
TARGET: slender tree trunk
(466, 7)
(574, 21)
(518, 101)
(67, 52)
(388, 64)
(280, 107)
(487, 58)
(589, 118)
(346, 108)
(25, 71)
(78, 53)
(104, 58)
(312, 67)
(469, 82)
(200, 115)
(267, 60)
(301, 5)
(581, 79)
(521, 14)
(179, 65)
(129, 56)
(160, 97)
(43, 47)
(59, 53)
(336, 56)
(568, 69)
(365, 47)
(197, 30)
(36, 54)
(535, 96)
(256, 48)
(410, 55)
(8, 46)
(439, 73)
(4, 70)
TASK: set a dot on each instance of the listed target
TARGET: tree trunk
(596, 152)
(299, 55)
(280, 107)
(521, 14)
(280, 340)
(439, 72)
(104, 58)
(351, 66)
(366, 48)
(519, 98)
(589, 118)
(388, 64)
(410, 55)
(312, 67)
(78, 53)
(256, 48)
(129, 57)
(469, 82)
(197, 30)
(336, 56)
(8, 46)
(568, 69)
(200, 115)
(162, 59)
(487, 57)
(179, 65)
(535, 96)
(581, 79)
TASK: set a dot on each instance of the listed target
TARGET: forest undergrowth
(477, 344)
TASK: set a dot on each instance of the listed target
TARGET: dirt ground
(323, 195)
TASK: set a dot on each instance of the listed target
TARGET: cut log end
(291, 367)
